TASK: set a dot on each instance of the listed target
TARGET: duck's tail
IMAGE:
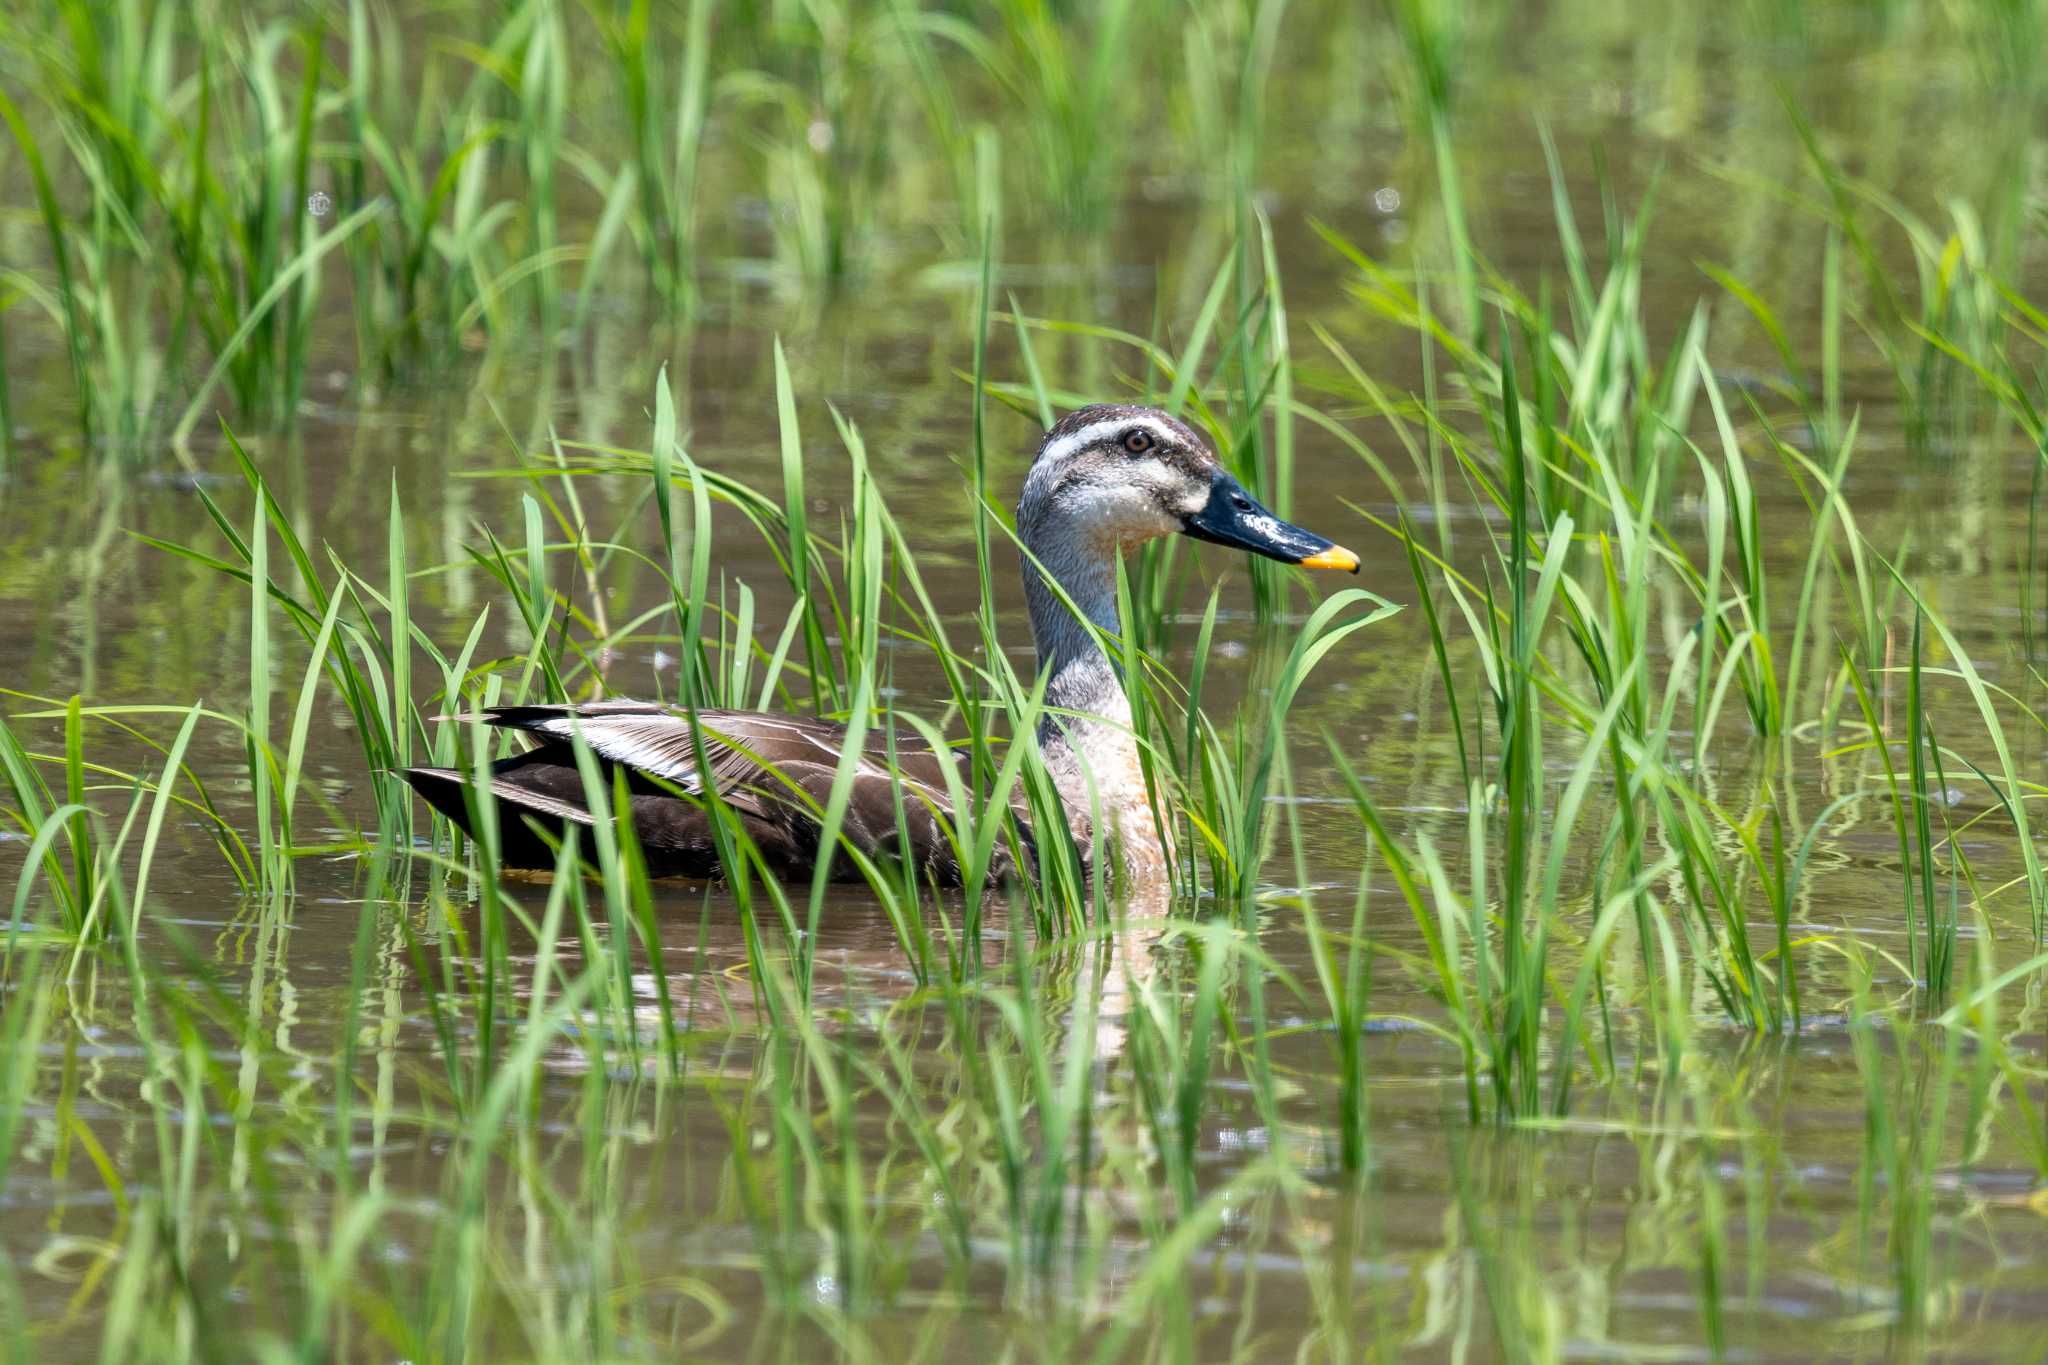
(447, 790)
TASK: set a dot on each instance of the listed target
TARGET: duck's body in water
(1107, 479)
(774, 773)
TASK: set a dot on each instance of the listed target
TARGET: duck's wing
(752, 759)
(776, 772)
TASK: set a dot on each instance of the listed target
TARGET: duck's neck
(1086, 732)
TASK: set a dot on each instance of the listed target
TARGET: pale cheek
(1121, 517)
(1154, 525)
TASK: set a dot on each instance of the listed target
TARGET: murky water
(1613, 1231)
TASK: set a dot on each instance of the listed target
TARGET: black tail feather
(520, 841)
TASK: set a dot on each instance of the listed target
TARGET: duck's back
(775, 773)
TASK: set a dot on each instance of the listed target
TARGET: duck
(1107, 479)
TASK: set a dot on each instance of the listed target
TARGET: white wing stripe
(669, 756)
(662, 744)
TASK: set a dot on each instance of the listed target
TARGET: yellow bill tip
(1336, 557)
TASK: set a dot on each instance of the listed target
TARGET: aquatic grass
(393, 124)
(81, 884)
(1931, 341)
(358, 655)
(1063, 74)
(401, 1312)
(1044, 1118)
(197, 180)
(1511, 832)
(1498, 1007)
(1634, 596)
(1244, 821)
(44, 820)
(171, 230)
(666, 141)
(198, 254)
(1621, 481)
(68, 298)
(1930, 929)
(1608, 622)
(1173, 1040)
(969, 148)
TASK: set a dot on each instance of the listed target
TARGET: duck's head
(1112, 476)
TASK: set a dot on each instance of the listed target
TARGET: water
(1740, 1188)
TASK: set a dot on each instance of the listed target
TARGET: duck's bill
(1235, 518)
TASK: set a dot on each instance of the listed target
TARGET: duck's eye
(1137, 441)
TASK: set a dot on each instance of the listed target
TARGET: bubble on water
(319, 203)
(1387, 199)
(819, 135)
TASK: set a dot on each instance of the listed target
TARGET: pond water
(1741, 1195)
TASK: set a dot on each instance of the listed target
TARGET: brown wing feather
(776, 772)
